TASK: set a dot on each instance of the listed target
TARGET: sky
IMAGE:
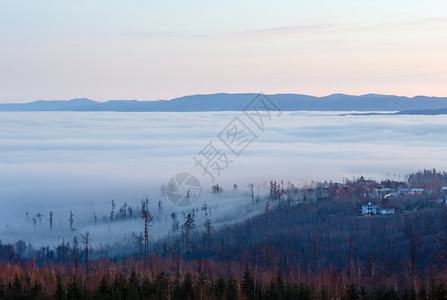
(150, 50)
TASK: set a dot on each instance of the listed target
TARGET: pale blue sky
(163, 49)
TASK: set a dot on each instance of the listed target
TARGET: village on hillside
(374, 198)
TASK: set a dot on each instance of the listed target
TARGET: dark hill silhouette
(237, 102)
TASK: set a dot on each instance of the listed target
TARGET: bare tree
(252, 193)
(207, 235)
(414, 243)
(51, 220)
(146, 215)
(112, 212)
(350, 262)
(160, 206)
(71, 221)
(267, 210)
(186, 229)
(316, 251)
(175, 225)
(74, 252)
(205, 209)
(139, 243)
(21, 247)
(85, 240)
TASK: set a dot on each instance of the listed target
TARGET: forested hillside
(306, 243)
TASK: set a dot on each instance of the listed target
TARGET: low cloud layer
(81, 161)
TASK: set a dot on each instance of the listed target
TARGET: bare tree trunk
(85, 241)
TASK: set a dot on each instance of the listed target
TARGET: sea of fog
(80, 161)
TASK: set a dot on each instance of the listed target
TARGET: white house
(370, 208)
(386, 207)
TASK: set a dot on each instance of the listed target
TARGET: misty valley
(237, 150)
(317, 205)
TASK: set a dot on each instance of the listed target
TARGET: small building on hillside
(369, 208)
(386, 207)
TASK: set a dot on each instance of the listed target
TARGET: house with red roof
(386, 207)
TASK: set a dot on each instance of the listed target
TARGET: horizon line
(222, 93)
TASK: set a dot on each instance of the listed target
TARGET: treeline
(324, 234)
(189, 234)
(306, 249)
(293, 240)
(123, 212)
(174, 278)
(428, 179)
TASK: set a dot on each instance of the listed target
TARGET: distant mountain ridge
(413, 112)
(432, 112)
(237, 102)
